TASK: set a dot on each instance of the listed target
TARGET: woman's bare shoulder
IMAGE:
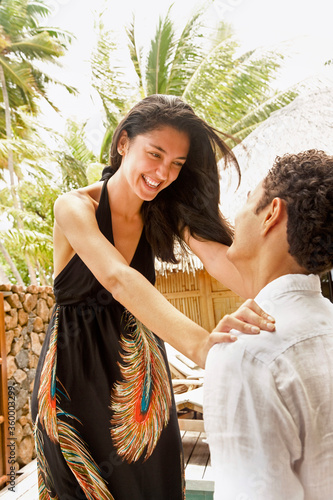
(87, 197)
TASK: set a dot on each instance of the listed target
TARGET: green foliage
(74, 157)
(111, 83)
(27, 203)
(37, 195)
(202, 65)
(37, 190)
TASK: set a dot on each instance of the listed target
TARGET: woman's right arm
(75, 217)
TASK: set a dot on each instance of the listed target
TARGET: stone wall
(27, 314)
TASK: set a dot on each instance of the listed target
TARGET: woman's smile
(150, 182)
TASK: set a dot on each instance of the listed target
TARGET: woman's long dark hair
(192, 200)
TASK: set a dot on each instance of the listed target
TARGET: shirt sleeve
(253, 438)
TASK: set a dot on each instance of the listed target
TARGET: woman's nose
(163, 170)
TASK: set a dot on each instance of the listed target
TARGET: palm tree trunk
(9, 135)
(3, 276)
(11, 264)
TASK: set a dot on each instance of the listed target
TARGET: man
(268, 402)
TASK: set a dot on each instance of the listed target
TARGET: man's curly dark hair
(305, 182)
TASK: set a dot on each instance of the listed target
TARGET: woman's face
(152, 161)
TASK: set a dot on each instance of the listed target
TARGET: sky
(303, 26)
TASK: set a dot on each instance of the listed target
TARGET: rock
(11, 319)
(19, 431)
(23, 421)
(38, 324)
(6, 287)
(31, 374)
(20, 376)
(23, 317)
(42, 337)
(32, 289)
(36, 346)
(27, 430)
(11, 366)
(49, 290)
(26, 409)
(50, 301)
(33, 360)
(16, 345)
(42, 295)
(21, 399)
(30, 302)
(22, 359)
(18, 288)
(6, 306)
(18, 330)
(42, 310)
(14, 301)
(25, 450)
(9, 339)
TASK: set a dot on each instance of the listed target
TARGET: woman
(106, 424)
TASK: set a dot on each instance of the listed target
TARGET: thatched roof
(188, 263)
(306, 123)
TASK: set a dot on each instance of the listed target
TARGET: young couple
(105, 419)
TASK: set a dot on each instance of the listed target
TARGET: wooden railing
(3, 400)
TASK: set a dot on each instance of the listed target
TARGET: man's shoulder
(299, 321)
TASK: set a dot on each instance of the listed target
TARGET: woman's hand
(249, 318)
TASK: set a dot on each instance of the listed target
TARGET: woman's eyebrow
(162, 151)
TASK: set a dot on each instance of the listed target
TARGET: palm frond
(261, 112)
(13, 15)
(36, 10)
(39, 46)
(160, 56)
(187, 56)
(136, 53)
(18, 73)
(108, 77)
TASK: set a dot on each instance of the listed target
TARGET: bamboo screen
(198, 296)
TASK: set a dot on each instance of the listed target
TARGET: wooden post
(4, 466)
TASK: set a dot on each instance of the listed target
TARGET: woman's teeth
(150, 182)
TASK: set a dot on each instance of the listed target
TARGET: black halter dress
(105, 419)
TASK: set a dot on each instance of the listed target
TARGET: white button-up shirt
(268, 400)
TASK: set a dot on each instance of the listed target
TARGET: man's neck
(258, 274)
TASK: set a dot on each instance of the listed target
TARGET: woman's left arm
(214, 258)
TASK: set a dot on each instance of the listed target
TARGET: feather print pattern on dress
(73, 447)
(47, 403)
(141, 401)
(45, 481)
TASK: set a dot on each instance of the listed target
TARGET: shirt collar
(289, 283)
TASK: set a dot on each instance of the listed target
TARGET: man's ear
(275, 214)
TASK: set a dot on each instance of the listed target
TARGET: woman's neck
(123, 200)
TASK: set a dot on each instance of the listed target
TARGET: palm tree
(48, 172)
(23, 43)
(230, 91)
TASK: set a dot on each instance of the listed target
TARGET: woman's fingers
(230, 321)
(249, 318)
(249, 315)
(251, 304)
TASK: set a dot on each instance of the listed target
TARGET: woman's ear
(122, 143)
(275, 214)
